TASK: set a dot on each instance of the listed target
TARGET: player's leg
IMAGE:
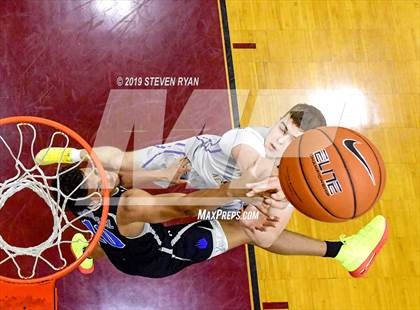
(151, 158)
(355, 252)
(161, 164)
(292, 243)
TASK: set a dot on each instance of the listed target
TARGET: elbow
(127, 211)
(141, 214)
(125, 214)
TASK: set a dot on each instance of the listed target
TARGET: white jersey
(210, 155)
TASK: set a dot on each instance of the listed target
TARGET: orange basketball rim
(40, 293)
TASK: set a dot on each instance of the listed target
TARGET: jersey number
(107, 236)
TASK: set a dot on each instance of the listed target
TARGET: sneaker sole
(80, 268)
(364, 267)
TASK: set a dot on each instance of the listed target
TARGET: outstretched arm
(140, 206)
(143, 207)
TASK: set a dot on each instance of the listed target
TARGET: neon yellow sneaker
(54, 155)
(359, 250)
(78, 246)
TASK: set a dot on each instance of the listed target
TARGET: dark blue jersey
(157, 251)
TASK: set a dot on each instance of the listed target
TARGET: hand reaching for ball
(272, 193)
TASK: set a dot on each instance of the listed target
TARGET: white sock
(75, 155)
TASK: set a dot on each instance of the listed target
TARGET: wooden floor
(360, 58)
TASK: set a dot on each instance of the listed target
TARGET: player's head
(89, 181)
(294, 123)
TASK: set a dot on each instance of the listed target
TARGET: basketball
(332, 174)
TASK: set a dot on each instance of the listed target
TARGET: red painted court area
(60, 60)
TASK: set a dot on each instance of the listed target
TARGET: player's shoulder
(260, 130)
(247, 132)
(251, 136)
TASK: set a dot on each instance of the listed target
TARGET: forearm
(190, 204)
(235, 189)
(186, 202)
(266, 238)
(152, 214)
(140, 206)
(213, 198)
(143, 175)
(181, 205)
(218, 197)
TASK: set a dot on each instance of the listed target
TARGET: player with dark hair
(137, 244)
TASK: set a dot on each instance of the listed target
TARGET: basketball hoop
(28, 291)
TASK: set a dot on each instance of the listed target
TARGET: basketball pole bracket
(28, 296)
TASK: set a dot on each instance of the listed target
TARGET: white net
(29, 175)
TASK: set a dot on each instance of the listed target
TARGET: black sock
(333, 247)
